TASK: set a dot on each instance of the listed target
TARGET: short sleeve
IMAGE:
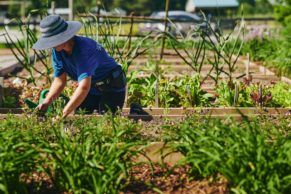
(89, 63)
(57, 65)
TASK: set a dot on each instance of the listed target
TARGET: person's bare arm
(78, 97)
(55, 90)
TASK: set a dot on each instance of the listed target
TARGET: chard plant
(261, 95)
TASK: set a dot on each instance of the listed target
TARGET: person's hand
(42, 108)
(65, 113)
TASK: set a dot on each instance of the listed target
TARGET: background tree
(252, 7)
(144, 7)
(283, 11)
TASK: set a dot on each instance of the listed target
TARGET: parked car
(181, 22)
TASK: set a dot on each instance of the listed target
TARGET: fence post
(130, 31)
(71, 7)
(53, 7)
(165, 29)
(248, 66)
(98, 11)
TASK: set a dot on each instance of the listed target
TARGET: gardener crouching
(101, 81)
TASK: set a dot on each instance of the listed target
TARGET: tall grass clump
(77, 158)
(210, 47)
(254, 158)
(17, 157)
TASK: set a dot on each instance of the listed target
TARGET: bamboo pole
(71, 13)
(131, 27)
(165, 29)
(248, 66)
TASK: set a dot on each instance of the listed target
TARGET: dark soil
(147, 181)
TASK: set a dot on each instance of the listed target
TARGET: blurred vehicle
(104, 13)
(118, 12)
(94, 10)
(181, 22)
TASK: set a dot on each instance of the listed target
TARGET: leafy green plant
(9, 102)
(190, 92)
(142, 90)
(233, 94)
(251, 157)
(17, 158)
(92, 158)
(281, 93)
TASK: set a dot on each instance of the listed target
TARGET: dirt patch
(147, 180)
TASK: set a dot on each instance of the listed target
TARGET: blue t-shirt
(88, 58)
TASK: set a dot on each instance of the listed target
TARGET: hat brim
(49, 42)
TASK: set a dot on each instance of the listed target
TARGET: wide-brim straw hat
(55, 31)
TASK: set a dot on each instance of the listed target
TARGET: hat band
(60, 29)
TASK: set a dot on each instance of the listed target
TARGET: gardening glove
(41, 109)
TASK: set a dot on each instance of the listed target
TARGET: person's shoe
(136, 109)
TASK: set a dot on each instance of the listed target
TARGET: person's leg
(111, 100)
(90, 104)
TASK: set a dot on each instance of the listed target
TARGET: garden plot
(173, 65)
(194, 152)
(117, 155)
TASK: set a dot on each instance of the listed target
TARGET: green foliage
(78, 158)
(256, 7)
(145, 7)
(281, 93)
(9, 102)
(273, 52)
(254, 158)
(142, 90)
(191, 94)
(233, 94)
(17, 158)
(260, 49)
(283, 11)
(95, 155)
(185, 91)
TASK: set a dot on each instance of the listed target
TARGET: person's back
(101, 81)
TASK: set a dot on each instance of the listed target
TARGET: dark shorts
(108, 101)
